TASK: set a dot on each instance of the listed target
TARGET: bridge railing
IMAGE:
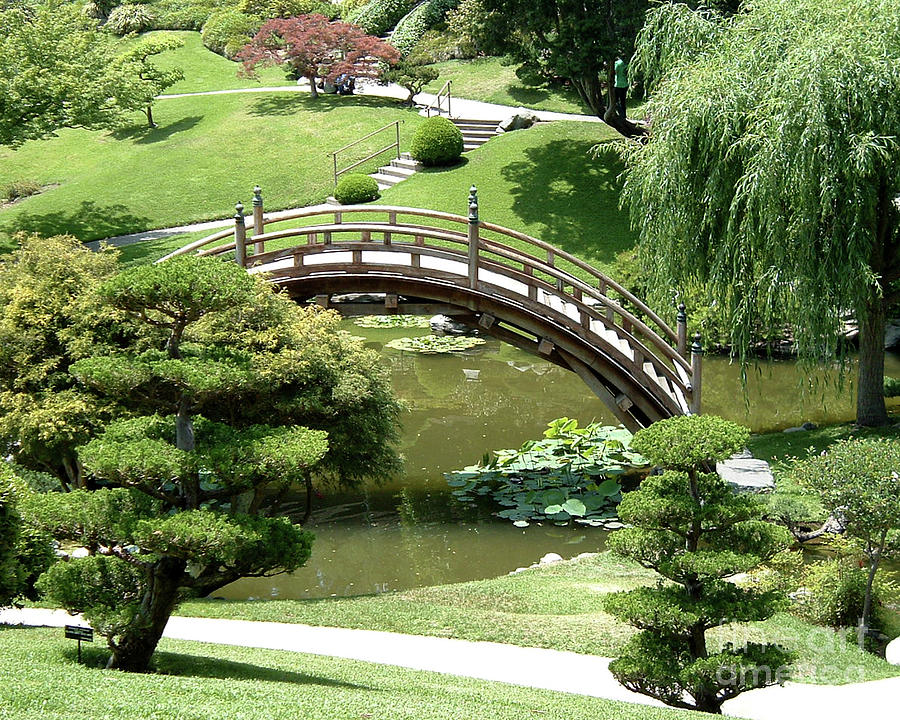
(583, 293)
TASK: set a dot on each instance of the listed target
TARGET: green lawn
(490, 79)
(206, 154)
(555, 607)
(204, 70)
(197, 681)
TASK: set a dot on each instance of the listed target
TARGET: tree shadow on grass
(573, 198)
(199, 666)
(143, 135)
(90, 221)
(288, 104)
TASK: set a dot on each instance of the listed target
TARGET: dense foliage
(784, 120)
(50, 317)
(312, 47)
(691, 528)
(859, 482)
(412, 74)
(55, 71)
(378, 16)
(226, 31)
(436, 142)
(412, 26)
(129, 18)
(356, 188)
(569, 475)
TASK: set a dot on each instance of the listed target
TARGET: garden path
(530, 667)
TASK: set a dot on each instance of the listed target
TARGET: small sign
(75, 632)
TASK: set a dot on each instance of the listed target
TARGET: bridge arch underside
(634, 405)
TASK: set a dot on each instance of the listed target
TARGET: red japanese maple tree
(314, 47)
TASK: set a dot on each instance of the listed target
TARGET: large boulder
(519, 120)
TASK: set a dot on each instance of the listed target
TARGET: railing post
(681, 320)
(473, 237)
(258, 224)
(696, 374)
(397, 125)
(240, 236)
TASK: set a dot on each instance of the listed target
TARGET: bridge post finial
(258, 222)
(681, 320)
(240, 235)
(696, 373)
(473, 237)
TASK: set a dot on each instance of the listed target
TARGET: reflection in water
(411, 532)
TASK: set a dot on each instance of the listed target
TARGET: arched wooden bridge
(509, 285)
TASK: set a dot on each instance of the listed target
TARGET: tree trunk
(149, 112)
(136, 645)
(870, 408)
(313, 90)
(307, 478)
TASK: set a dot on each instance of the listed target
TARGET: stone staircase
(475, 132)
(399, 169)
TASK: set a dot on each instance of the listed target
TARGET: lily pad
(435, 344)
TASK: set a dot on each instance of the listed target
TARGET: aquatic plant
(571, 474)
(393, 321)
(435, 344)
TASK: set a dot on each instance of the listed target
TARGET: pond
(412, 532)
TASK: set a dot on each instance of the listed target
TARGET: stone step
(407, 163)
(401, 172)
(476, 122)
(385, 181)
(486, 134)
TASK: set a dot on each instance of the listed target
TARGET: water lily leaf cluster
(435, 344)
(572, 474)
(393, 321)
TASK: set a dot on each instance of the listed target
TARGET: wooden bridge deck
(508, 284)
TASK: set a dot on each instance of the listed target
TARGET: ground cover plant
(571, 474)
(201, 680)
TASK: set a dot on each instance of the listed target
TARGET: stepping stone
(746, 473)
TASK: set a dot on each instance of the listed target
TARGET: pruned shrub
(412, 26)
(891, 387)
(182, 16)
(834, 593)
(437, 142)
(20, 189)
(269, 9)
(129, 18)
(356, 188)
(379, 16)
(227, 31)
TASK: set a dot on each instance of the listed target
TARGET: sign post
(76, 632)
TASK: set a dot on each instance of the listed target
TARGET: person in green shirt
(621, 86)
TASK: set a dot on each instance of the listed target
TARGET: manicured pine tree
(691, 528)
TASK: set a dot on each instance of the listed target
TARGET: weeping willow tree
(770, 181)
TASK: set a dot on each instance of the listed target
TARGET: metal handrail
(436, 103)
(395, 145)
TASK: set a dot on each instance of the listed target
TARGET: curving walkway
(530, 667)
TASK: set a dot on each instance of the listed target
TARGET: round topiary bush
(355, 188)
(437, 142)
(128, 18)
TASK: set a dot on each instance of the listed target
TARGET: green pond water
(412, 533)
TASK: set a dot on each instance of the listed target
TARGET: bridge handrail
(637, 332)
(497, 248)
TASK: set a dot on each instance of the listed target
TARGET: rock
(448, 326)
(550, 558)
(747, 474)
(805, 427)
(892, 334)
(519, 120)
(359, 298)
(892, 652)
(79, 553)
(585, 555)
(613, 525)
(471, 374)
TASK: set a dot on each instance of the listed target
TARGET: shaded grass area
(557, 606)
(781, 446)
(493, 80)
(198, 680)
(207, 154)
